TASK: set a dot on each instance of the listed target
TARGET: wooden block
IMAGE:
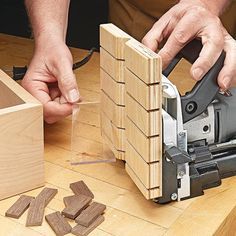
(118, 154)
(116, 135)
(115, 90)
(149, 96)
(90, 214)
(36, 212)
(114, 112)
(80, 230)
(58, 223)
(113, 40)
(67, 200)
(143, 62)
(37, 206)
(148, 174)
(21, 139)
(150, 148)
(147, 193)
(81, 188)
(149, 122)
(48, 194)
(114, 67)
(76, 205)
(19, 207)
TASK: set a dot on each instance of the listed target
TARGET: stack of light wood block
(140, 98)
(112, 41)
(21, 139)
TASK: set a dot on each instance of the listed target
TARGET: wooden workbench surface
(128, 213)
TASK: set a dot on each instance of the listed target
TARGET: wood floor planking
(108, 226)
(80, 230)
(134, 225)
(131, 203)
(115, 173)
(13, 228)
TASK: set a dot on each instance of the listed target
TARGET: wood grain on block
(114, 112)
(147, 193)
(48, 194)
(149, 122)
(67, 200)
(75, 205)
(113, 40)
(116, 135)
(21, 139)
(36, 212)
(148, 174)
(143, 62)
(113, 89)
(58, 223)
(19, 207)
(150, 148)
(37, 206)
(149, 96)
(80, 230)
(114, 67)
(90, 214)
(81, 188)
(118, 154)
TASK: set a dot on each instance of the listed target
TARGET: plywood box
(21, 139)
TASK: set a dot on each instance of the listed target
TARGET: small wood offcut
(89, 216)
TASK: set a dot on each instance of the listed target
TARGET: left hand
(50, 79)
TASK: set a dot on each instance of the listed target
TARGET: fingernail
(63, 100)
(198, 73)
(226, 82)
(73, 95)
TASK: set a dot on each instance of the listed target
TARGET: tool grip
(204, 91)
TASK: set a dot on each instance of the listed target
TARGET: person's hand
(187, 20)
(50, 79)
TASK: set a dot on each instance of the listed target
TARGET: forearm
(48, 18)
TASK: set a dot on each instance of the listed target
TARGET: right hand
(191, 19)
(50, 79)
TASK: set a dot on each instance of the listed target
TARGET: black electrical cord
(85, 60)
(19, 72)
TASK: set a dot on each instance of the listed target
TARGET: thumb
(67, 82)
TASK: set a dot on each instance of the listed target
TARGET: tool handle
(204, 91)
